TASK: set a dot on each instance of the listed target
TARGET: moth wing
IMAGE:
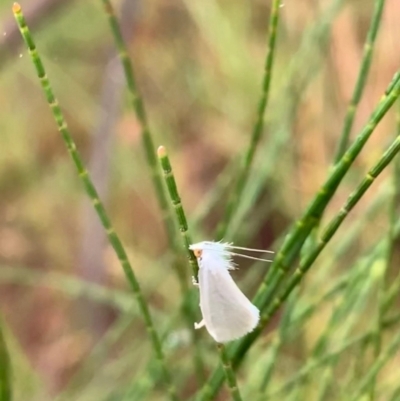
(227, 313)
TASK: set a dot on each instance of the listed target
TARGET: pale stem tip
(161, 151)
(16, 8)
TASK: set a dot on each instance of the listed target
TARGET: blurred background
(67, 313)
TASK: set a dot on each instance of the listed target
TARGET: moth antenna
(248, 249)
(240, 255)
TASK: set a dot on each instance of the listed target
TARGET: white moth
(227, 313)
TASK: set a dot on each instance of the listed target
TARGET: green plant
(329, 326)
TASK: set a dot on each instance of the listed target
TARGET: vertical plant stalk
(275, 346)
(298, 234)
(140, 112)
(393, 212)
(184, 230)
(92, 193)
(258, 127)
(229, 373)
(391, 238)
(177, 205)
(317, 360)
(326, 236)
(375, 368)
(302, 228)
(308, 368)
(393, 291)
(331, 228)
(183, 227)
(361, 80)
(5, 369)
(344, 316)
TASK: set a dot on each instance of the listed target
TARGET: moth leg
(194, 281)
(199, 325)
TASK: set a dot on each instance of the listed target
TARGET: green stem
(183, 226)
(393, 291)
(140, 112)
(258, 126)
(276, 345)
(332, 227)
(361, 80)
(229, 373)
(344, 316)
(296, 79)
(184, 230)
(307, 369)
(312, 364)
(177, 205)
(396, 395)
(5, 370)
(391, 238)
(92, 193)
(302, 228)
(298, 234)
(371, 374)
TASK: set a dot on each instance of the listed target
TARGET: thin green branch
(299, 233)
(391, 238)
(276, 344)
(177, 205)
(139, 109)
(361, 80)
(393, 291)
(296, 79)
(305, 224)
(396, 395)
(69, 286)
(330, 230)
(344, 317)
(379, 363)
(302, 228)
(147, 141)
(332, 227)
(183, 226)
(5, 369)
(92, 193)
(259, 125)
(229, 373)
(83, 377)
(307, 369)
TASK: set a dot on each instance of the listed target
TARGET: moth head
(197, 249)
(198, 253)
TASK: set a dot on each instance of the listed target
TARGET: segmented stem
(333, 226)
(327, 234)
(5, 369)
(258, 126)
(301, 229)
(361, 80)
(177, 205)
(183, 226)
(229, 373)
(383, 289)
(349, 278)
(299, 232)
(92, 193)
(379, 363)
(184, 230)
(308, 368)
(392, 292)
(140, 112)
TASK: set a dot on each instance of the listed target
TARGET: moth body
(227, 313)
